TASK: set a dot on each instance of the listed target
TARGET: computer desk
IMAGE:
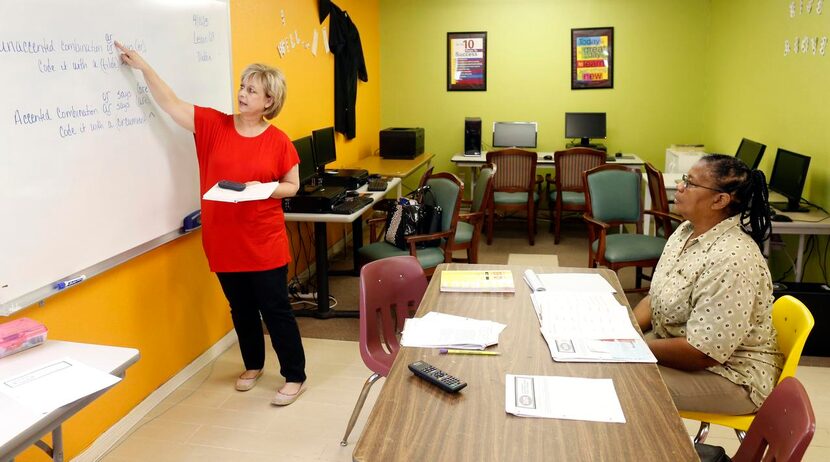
(321, 248)
(413, 420)
(114, 360)
(475, 162)
(393, 168)
(811, 223)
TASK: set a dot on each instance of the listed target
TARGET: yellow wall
(166, 303)
(659, 55)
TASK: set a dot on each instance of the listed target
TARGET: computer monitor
(514, 134)
(750, 152)
(789, 173)
(324, 150)
(585, 125)
(305, 151)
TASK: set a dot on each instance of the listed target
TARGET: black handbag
(421, 215)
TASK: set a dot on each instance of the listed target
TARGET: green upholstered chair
(514, 187)
(471, 220)
(448, 191)
(566, 191)
(663, 225)
(613, 197)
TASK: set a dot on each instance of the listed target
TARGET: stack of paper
(477, 281)
(439, 330)
(588, 327)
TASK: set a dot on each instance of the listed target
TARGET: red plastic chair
(390, 291)
(782, 429)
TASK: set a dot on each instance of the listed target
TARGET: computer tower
(817, 299)
(472, 135)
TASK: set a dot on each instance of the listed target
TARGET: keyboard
(350, 205)
(377, 184)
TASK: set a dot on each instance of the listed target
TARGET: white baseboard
(110, 437)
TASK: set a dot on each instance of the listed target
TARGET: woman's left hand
(251, 183)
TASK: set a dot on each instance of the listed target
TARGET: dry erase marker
(448, 351)
(70, 282)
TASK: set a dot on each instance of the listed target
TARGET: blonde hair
(273, 80)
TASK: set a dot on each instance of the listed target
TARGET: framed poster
(466, 61)
(592, 58)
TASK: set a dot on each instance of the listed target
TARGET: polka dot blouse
(717, 293)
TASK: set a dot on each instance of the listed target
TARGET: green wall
(659, 57)
(754, 91)
(686, 71)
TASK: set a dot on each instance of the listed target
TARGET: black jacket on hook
(344, 42)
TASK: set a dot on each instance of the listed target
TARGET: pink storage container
(20, 334)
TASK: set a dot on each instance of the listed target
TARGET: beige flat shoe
(281, 399)
(247, 384)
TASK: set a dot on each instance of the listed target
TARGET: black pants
(252, 294)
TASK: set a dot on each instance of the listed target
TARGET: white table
(544, 160)
(814, 222)
(321, 247)
(114, 360)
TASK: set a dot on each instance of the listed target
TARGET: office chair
(667, 222)
(793, 323)
(613, 198)
(470, 222)
(781, 431)
(448, 191)
(390, 291)
(514, 187)
(566, 190)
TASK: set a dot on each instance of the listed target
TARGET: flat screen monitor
(750, 152)
(514, 134)
(789, 173)
(585, 125)
(305, 151)
(324, 150)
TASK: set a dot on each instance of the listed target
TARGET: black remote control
(437, 377)
(233, 185)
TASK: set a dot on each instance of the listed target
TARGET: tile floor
(206, 420)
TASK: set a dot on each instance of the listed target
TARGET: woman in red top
(246, 243)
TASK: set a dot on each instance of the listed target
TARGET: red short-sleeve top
(246, 236)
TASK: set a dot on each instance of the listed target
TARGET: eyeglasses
(684, 180)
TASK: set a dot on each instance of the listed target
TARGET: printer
(401, 143)
(319, 200)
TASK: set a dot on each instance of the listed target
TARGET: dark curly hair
(748, 189)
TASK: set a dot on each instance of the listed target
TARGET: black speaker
(472, 135)
(817, 298)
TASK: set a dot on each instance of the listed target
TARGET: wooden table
(397, 168)
(413, 420)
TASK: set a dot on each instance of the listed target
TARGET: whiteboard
(91, 170)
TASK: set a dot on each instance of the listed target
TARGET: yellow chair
(793, 323)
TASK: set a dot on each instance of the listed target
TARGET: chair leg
(702, 432)
(638, 279)
(531, 230)
(491, 212)
(741, 435)
(359, 405)
(557, 224)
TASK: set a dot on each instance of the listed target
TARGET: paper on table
(571, 398)
(439, 330)
(595, 315)
(576, 282)
(23, 417)
(254, 192)
(55, 384)
(584, 350)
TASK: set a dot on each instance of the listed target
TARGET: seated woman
(710, 302)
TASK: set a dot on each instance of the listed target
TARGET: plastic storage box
(19, 335)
